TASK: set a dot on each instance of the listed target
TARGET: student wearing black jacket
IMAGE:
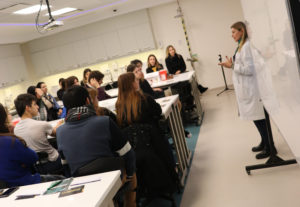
(176, 64)
(153, 64)
(154, 158)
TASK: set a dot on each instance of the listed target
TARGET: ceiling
(21, 28)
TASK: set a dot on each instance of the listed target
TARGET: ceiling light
(62, 11)
(31, 10)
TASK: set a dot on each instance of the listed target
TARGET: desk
(171, 113)
(113, 92)
(98, 193)
(186, 76)
(182, 77)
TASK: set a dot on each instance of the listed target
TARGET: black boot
(258, 148)
(202, 89)
(265, 153)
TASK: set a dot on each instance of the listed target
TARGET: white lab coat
(245, 83)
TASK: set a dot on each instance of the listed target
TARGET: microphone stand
(226, 87)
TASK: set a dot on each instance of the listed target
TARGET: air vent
(12, 8)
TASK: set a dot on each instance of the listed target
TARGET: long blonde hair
(167, 51)
(128, 104)
(240, 26)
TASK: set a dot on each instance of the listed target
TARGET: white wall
(208, 26)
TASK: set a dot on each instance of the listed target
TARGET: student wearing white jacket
(246, 88)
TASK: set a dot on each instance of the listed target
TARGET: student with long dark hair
(244, 80)
(134, 107)
(85, 80)
(136, 67)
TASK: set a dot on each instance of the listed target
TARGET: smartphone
(8, 192)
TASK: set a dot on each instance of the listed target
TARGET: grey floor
(217, 176)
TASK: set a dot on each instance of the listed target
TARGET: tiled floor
(217, 176)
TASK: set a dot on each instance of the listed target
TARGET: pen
(54, 184)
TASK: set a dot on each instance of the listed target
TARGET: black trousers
(261, 126)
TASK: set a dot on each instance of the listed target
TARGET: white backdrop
(276, 64)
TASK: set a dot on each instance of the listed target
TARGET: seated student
(71, 81)
(85, 137)
(98, 134)
(16, 159)
(176, 64)
(145, 86)
(61, 91)
(136, 67)
(85, 80)
(155, 165)
(35, 132)
(54, 111)
(95, 80)
(41, 101)
(153, 64)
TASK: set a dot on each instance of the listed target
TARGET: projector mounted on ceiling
(52, 23)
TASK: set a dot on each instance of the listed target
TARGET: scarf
(80, 113)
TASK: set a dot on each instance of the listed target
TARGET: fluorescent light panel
(62, 11)
(31, 10)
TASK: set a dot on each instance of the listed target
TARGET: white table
(171, 113)
(113, 92)
(182, 77)
(99, 193)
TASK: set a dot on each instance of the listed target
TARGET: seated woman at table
(155, 165)
(16, 159)
(176, 64)
(136, 67)
(153, 64)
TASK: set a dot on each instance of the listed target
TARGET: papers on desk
(32, 191)
(84, 180)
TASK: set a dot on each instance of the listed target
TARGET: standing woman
(153, 64)
(176, 64)
(86, 74)
(246, 87)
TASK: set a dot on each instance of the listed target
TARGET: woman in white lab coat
(244, 79)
